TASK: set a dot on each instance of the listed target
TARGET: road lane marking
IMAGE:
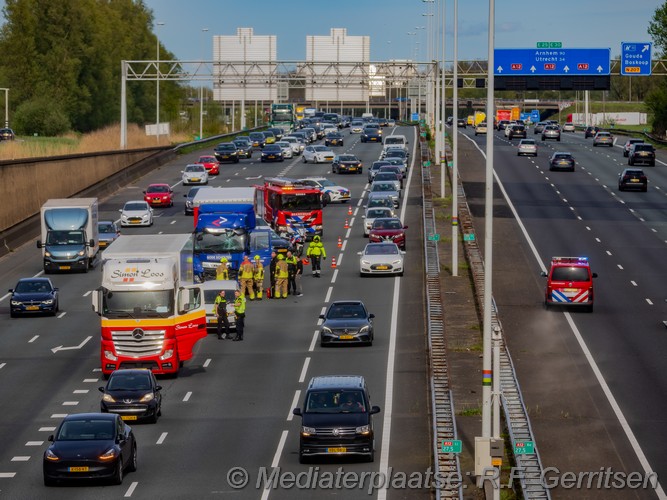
(33, 339)
(47, 429)
(348, 232)
(59, 415)
(131, 489)
(620, 266)
(4, 296)
(633, 283)
(206, 363)
(598, 240)
(649, 302)
(80, 391)
(162, 437)
(279, 451)
(2, 365)
(7, 474)
(342, 248)
(34, 443)
(311, 348)
(326, 299)
(90, 380)
(62, 314)
(608, 252)
(340, 259)
(87, 293)
(304, 370)
(173, 222)
(187, 396)
(295, 402)
(70, 403)
(335, 275)
(20, 458)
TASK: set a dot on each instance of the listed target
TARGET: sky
(518, 24)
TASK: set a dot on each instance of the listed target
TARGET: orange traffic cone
(333, 262)
(347, 224)
(340, 242)
(349, 210)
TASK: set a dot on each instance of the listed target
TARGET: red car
(210, 164)
(388, 229)
(159, 195)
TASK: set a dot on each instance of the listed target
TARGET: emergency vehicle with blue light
(569, 283)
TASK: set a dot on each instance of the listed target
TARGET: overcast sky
(519, 24)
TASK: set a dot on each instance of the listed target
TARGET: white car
(195, 173)
(527, 147)
(331, 192)
(508, 128)
(330, 128)
(480, 128)
(381, 258)
(286, 148)
(297, 146)
(318, 154)
(356, 127)
(569, 127)
(136, 213)
(375, 213)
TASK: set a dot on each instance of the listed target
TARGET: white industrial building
(329, 78)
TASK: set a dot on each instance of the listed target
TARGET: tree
(657, 28)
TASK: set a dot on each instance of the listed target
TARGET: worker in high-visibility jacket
(222, 271)
(282, 275)
(258, 277)
(246, 277)
(239, 313)
(316, 252)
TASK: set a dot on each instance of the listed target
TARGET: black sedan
(632, 178)
(272, 152)
(33, 295)
(346, 164)
(244, 148)
(561, 161)
(371, 134)
(90, 446)
(346, 322)
(333, 139)
(226, 151)
(590, 132)
(6, 134)
(134, 394)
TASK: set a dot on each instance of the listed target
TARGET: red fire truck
(289, 206)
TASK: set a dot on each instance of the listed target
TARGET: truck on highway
(151, 313)
(226, 225)
(70, 234)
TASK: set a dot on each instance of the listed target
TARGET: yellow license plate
(634, 180)
(346, 337)
(32, 308)
(128, 417)
(336, 450)
(570, 289)
(65, 267)
(213, 320)
(195, 179)
(78, 469)
(382, 268)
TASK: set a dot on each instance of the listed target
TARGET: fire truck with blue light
(569, 283)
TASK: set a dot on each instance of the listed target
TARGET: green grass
(470, 412)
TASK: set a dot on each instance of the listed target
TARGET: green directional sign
(549, 45)
(452, 446)
(423, 134)
(434, 237)
(427, 163)
(469, 237)
(524, 448)
(450, 164)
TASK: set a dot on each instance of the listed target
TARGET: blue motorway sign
(534, 115)
(551, 62)
(636, 58)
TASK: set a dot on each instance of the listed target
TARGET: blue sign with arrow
(551, 62)
(636, 58)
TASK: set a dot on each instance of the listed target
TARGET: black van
(337, 418)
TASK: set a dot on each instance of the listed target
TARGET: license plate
(213, 320)
(135, 222)
(65, 267)
(32, 308)
(570, 290)
(128, 417)
(382, 268)
(336, 450)
(352, 169)
(194, 179)
(78, 469)
(346, 337)
(634, 180)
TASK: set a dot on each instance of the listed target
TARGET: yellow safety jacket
(282, 271)
(246, 271)
(316, 249)
(258, 272)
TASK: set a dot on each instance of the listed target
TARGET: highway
(582, 375)
(231, 405)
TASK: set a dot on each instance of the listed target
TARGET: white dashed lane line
(87, 293)
(131, 489)
(21, 458)
(80, 391)
(47, 429)
(295, 402)
(633, 283)
(206, 363)
(7, 474)
(34, 443)
(59, 415)
(304, 370)
(186, 398)
(311, 348)
(2, 365)
(70, 403)
(328, 297)
(33, 339)
(649, 302)
(162, 437)
(90, 380)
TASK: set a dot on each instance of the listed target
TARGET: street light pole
(157, 80)
(6, 107)
(201, 99)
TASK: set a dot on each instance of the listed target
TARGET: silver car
(603, 139)
(551, 132)
(318, 154)
(356, 127)
(375, 213)
(381, 258)
(194, 173)
(297, 146)
(286, 148)
(136, 213)
(527, 147)
(385, 189)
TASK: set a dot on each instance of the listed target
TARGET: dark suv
(517, 131)
(337, 418)
(641, 154)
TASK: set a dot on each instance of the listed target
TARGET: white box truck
(70, 235)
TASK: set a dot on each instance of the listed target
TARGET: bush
(40, 116)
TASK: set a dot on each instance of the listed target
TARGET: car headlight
(16, 303)
(308, 431)
(81, 253)
(145, 216)
(364, 430)
(47, 302)
(108, 398)
(365, 262)
(147, 397)
(110, 454)
(397, 262)
(47, 254)
(167, 354)
(110, 356)
(326, 329)
(50, 456)
(364, 329)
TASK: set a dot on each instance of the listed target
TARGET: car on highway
(516, 131)
(629, 143)
(269, 137)
(569, 127)
(375, 213)
(378, 200)
(189, 200)
(481, 128)
(527, 147)
(295, 143)
(388, 229)
(334, 139)
(286, 148)
(258, 139)
(7, 134)
(244, 147)
(33, 296)
(211, 289)
(386, 176)
(461, 123)
(590, 132)
(346, 322)
(90, 446)
(539, 127)
(396, 153)
(381, 258)
(632, 178)
(347, 164)
(371, 133)
(159, 195)
(108, 231)
(642, 154)
(391, 122)
(132, 393)
(136, 213)
(385, 189)
(398, 162)
(337, 419)
(210, 164)
(195, 173)
(396, 169)
(312, 134)
(569, 283)
(551, 132)
(317, 154)
(331, 192)
(272, 152)
(603, 138)
(561, 160)
(277, 132)
(227, 152)
(375, 167)
(356, 127)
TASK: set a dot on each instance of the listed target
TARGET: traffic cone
(333, 262)
(347, 224)
(340, 242)
(349, 210)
